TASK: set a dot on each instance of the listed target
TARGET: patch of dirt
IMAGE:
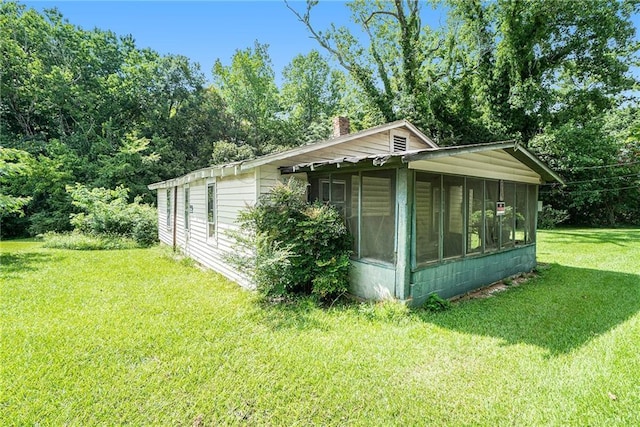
(496, 287)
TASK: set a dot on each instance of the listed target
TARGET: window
(343, 192)
(522, 227)
(475, 215)
(508, 220)
(455, 216)
(491, 222)
(169, 210)
(187, 208)
(378, 217)
(453, 230)
(367, 201)
(211, 211)
(531, 212)
(427, 208)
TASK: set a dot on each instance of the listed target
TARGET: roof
(511, 147)
(242, 166)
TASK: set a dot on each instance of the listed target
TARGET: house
(425, 219)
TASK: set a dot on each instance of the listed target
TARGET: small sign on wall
(500, 208)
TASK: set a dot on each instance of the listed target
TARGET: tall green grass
(135, 337)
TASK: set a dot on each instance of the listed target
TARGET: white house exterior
(385, 180)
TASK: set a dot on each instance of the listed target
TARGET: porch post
(404, 198)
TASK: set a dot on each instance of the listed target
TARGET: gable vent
(399, 143)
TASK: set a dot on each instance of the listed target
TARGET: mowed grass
(136, 337)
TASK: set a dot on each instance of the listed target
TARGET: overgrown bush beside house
(107, 216)
(292, 246)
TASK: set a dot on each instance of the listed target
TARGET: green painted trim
(404, 186)
(466, 274)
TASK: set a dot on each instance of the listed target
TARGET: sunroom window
(427, 205)
(367, 201)
(211, 211)
(378, 217)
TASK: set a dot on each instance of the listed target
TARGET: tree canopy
(90, 107)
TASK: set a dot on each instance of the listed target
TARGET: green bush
(291, 246)
(549, 218)
(107, 212)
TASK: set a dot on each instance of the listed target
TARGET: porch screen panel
(475, 215)
(522, 230)
(378, 216)
(532, 208)
(453, 231)
(344, 196)
(491, 223)
(508, 219)
(427, 217)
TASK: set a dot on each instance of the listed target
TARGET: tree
(91, 107)
(401, 64)
(12, 163)
(307, 95)
(248, 90)
(533, 64)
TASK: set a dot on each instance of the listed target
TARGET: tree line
(90, 107)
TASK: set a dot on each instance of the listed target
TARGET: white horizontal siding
(233, 193)
(164, 233)
(494, 164)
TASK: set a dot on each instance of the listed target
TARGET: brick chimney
(340, 126)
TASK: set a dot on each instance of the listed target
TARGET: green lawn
(135, 337)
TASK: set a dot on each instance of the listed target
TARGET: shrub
(107, 212)
(291, 246)
(549, 218)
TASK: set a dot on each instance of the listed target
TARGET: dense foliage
(291, 246)
(90, 106)
(107, 212)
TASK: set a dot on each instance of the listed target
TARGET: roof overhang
(512, 148)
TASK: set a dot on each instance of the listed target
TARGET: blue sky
(206, 30)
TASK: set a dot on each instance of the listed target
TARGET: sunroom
(444, 221)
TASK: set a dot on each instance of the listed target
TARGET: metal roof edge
(531, 160)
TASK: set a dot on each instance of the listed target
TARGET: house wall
(164, 232)
(463, 275)
(373, 144)
(372, 281)
(233, 193)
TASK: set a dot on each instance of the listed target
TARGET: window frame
(212, 212)
(169, 209)
(187, 207)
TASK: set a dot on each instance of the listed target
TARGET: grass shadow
(612, 236)
(12, 264)
(563, 309)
